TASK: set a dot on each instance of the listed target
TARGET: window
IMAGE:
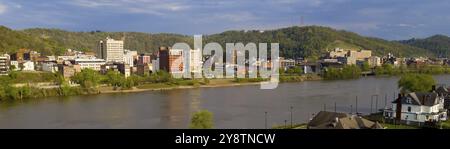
(409, 109)
(408, 100)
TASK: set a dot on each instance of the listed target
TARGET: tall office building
(195, 63)
(167, 58)
(111, 50)
(129, 57)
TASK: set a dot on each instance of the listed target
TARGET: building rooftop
(421, 99)
(333, 120)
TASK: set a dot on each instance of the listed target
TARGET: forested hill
(313, 41)
(438, 44)
(308, 41)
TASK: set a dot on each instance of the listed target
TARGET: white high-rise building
(129, 57)
(195, 64)
(111, 50)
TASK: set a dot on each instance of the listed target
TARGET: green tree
(87, 78)
(416, 83)
(365, 66)
(202, 120)
(114, 78)
(12, 67)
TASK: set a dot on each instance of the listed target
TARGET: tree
(202, 120)
(298, 70)
(87, 78)
(12, 67)
(365, 66)
(114, 78)
(416, 83)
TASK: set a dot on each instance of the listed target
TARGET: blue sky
(389, 19)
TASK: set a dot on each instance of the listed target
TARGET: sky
(388, 19)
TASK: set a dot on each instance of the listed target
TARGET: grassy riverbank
(22, 85)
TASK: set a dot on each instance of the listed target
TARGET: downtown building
(167, 58)
(111, 50)
(4, 64)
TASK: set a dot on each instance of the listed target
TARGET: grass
(446, 124)
(392, 126)
(30, 77)
(288, 126)
(155, 86)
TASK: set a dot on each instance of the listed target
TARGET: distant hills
(308, 41)
(437, 44)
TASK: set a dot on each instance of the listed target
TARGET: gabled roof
(325, 117)
(332, 120)
(420, 99)
(442, 90)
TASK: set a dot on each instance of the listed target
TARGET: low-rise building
(337, 52)
(286, 63)
(14, 65)
(124, 69)
(143, 69)
(68, 70)
(28, 66)
(94, 64)
(50, 67)
(347, 60)
(360, 55)
(374, 61)
(4, 65)
(66, 58)
(144, 59)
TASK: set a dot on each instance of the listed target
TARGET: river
(233, 107)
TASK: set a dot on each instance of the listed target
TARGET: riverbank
(163, 86)
(213, 83)
(13, 91)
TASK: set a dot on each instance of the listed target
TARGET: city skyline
(384, 19)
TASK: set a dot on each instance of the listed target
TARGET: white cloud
(134, 6)
(236, 17)
(2, 8)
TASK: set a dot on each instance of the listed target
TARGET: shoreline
(227, 84)
(222, 84)
(137, 90)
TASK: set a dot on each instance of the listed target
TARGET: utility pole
(371, 104)
(351, 109)
(356, 105)
(265, 119)
(324, 107)
(385, 100)
(335, 107)
(291, 116)
(376, 104)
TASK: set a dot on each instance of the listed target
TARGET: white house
(418, 108)
(15, 64)
(28, 66)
